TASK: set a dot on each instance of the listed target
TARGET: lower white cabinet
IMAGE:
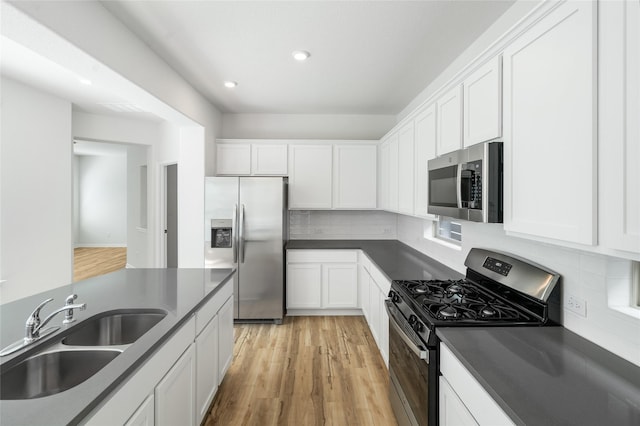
(175, 394)
(376, 289)
(207, 367)
(472, 403)
(319, 280)
(144, 415)
(225, 338)
(452, 411)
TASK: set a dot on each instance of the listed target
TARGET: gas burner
(450, 311)
(488, 312)
(497, 310)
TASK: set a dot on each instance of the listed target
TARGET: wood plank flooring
(93, 261)
(307, 371)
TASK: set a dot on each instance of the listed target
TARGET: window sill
(445, 243)
(627, 310)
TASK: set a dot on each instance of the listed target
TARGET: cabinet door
(206, 368)
(393, 172)
(174, 395)
(449, 108)
(233, 159)
(310, 183)
(452, 411)
(225, 338)
(549, 122)
(383, 333)
(355, 169)
(374, 303)
(483, 104)
(385, 175)
(425, 150)
(269, 160)
(406, 161)
(619, 126)
(144, 415)
(340, 285)
(304, 285)
(363, 288)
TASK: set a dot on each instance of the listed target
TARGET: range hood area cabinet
(333, 176)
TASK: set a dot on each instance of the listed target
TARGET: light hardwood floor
(307, 371)
(93, 261)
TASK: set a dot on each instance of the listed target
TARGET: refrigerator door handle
(241, 245)
(234, 230)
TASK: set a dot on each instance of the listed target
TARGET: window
(449, 230)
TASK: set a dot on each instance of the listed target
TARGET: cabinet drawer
(322, 256)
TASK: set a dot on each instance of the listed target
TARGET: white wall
(139, 243)
(305, 126)
(36, 191)
(102, 201)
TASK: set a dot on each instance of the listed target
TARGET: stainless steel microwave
(467, 184)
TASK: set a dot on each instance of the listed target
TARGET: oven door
(413, 387)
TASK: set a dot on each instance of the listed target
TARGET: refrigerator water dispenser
(221, 233)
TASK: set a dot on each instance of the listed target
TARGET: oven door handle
(417, 349)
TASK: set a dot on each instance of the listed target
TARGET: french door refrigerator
(245, 228)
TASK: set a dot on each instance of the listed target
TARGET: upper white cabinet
(384, 175)
(394, 156)
(405, 168)
(233, 159)
(619, 124)
(355, 170)
(483, 104)
(425, 150)
(449, 117)
(549, 121)
(310, 176)
(251, 159)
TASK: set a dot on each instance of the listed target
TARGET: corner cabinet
(619, 125)
(355, 170)
(310, 176)
(549, 127)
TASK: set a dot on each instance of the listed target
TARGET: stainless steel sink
(52, 372)
(121, 327)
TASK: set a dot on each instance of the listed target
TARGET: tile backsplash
(337, 224)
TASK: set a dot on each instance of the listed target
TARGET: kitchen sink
(52, 372)
(121, 327)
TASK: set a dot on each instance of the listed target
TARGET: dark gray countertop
(549, 375)
(397, 261)
(538, 375)
(178, 291)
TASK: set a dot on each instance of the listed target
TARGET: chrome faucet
(34, 325)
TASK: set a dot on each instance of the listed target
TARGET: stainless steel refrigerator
(246, 228)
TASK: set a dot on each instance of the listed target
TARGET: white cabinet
(474, 400)
(207, 368)
(233, 159)
(619, 124)
(394, 153)
(425, 150)
(310, 176)
(483, 103)
(374, 288)
(363, 289)
(406, 161)
(340, 285)
(304, 286)
(225, 338)
(452, 411)
(321, 281)
(256, 159)
(355, 170)
(385, 175)
(549, 122)
(269, 159)
(175, 394)
(449, 108)
(144, 415)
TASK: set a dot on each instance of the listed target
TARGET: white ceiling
(367, 57)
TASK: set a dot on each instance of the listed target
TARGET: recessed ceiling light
(230, 84)
(301, 55)
(85, 81)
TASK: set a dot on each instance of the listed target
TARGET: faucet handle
(35, 315)
(69, 300)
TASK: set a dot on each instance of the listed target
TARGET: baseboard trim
(98, 245)
(323, 312)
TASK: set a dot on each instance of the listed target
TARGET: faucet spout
(34, 325)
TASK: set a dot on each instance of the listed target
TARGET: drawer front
(322, 256)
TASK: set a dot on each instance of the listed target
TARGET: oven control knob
(395, 298)
(414, 323)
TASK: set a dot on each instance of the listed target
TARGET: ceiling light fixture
(230, 84)
(85, 81)
(301, 55)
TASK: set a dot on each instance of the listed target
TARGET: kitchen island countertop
(180, 292)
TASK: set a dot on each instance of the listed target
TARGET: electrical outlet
(576, 305)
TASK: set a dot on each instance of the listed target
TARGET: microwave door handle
(234, 230)
(459, 186)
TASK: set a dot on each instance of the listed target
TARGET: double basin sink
(78, 355)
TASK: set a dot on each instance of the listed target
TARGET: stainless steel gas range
(499, 290)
